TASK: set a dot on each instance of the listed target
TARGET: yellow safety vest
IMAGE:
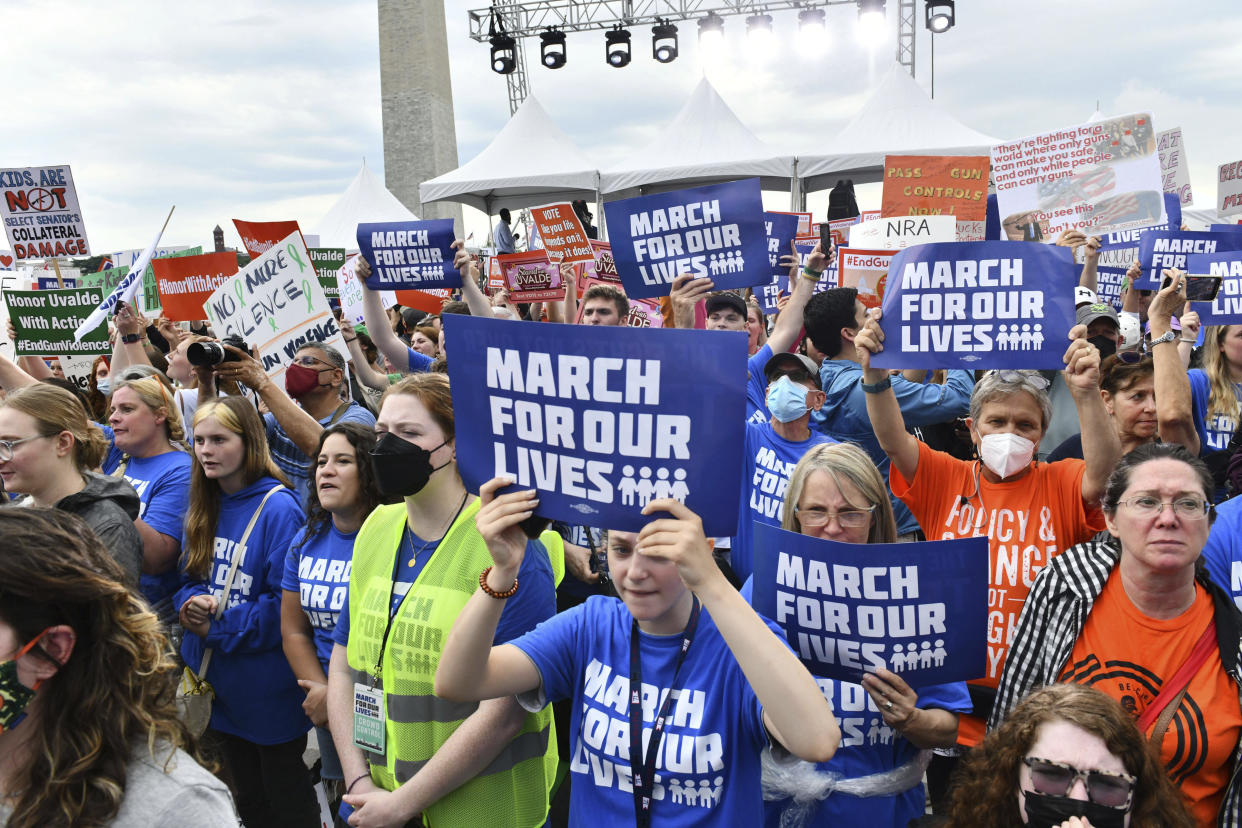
(512, 791)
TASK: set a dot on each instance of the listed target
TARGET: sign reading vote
(715, 231)
(1160, 250)
(919, 610)
(1226, 309)
(978, 305)
(562, 232)
(602, 420)
(409, 254)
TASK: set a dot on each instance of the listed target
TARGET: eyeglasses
(1129, 357)
(6, 446)
(1112, 790)
(848, 518)
(1023, 378)
(309, 361)
(1191, 508)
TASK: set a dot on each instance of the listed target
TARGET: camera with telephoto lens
(211, 354)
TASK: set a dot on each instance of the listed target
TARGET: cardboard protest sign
(45, 321)
(839, 229)
(349, 292)
(1228, 188)
(562, 232)
(106, 279)
(327, 261)
(495, 279)
(149, 299)
(530, 277)
(1097, 176)
(42, 219)
(714, 231)
(1162, 249)
(935, 185)
(900, 233)
(781, 231)
(409, 254)
(10, 280)
(602, 266)
(866, 271)
(602, 419)
(52, 283)
(805, 227)
(78, 370)
(1226, 309)
(186, 282)
(258, 236)
(275, 303)
(978, 305)
(919, 610)
(1174, 168)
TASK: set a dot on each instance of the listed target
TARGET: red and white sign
(1229, 188)
(39, 207)
(530, 277)
(866, 271)
(562, 233)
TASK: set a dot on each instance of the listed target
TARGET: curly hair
(114, 691)
(983, 795)
(363, 440)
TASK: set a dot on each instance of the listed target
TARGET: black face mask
(1044, 811)
(401, 467)
(1106, 345)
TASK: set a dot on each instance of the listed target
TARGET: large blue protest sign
(1160, 250)
(602, 420)
(918, 609)
(715, 231)
(781, 229)
(1225, 228)
(1226, 309)
(413, 255)
(978, 305)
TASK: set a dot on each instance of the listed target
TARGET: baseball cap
(725, 299)
(786, 363)
(1084, 296)
(1087, 314)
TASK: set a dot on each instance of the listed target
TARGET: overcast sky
(265, 110)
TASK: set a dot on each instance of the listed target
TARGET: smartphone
(1198, 288)
(825, 238)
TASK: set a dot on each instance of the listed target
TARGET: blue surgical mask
(104, 385)
(787, 400)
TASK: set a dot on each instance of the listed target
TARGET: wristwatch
(879, 387)
(1168, 336)
(130, 339)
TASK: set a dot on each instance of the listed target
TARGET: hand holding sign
(1082, 364)
(897, 701)
(686, 293)
(1166, 303)
(680, 540)
(870, 340)
(499, 522)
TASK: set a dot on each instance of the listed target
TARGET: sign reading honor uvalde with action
(409, 254)
(978, 305)
(715, 231)
(919, 610)
(45, 321)
(42, 219)
(602, 420)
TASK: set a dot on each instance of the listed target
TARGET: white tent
(529, 162)
(365, 199)
(898, 119)
(705, 143)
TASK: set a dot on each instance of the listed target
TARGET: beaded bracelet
(508, 593)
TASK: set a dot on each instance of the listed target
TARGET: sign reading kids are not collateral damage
(42, 219)
(601, 420)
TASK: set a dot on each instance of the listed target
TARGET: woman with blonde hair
(89, 734)
(240, 522)
(851, 472)
(48, 451)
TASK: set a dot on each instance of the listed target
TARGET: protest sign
(866, 271)
(409, 254)
(935, 185)
(258, 236)
(186, 282)
(1093, 177)
(644, 313)
(562, 232)
(919, 610)
(275, 303)
(828, 279)
(327, 261)
(427, 301)
(805, 227)
(602, 419)
(530, 277)
(839, 229)
(78, 370)
(714, 231)
(52, 283)
(900, 233)
(781, 231)
(349, 292)
(1228, 188)
(602, 267)
(1108, 284)
(42, 219)
(45, 321)
(1226, 309)
(10, 280)
(106, 279)
(1226, 228)
(978, 305)
(1174, 169)
(495, 279)
(1162, 249)
(127, 287)
(149, 299)
(7, 259)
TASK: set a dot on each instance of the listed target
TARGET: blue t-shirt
(1214, 435)
(1223, 551)
(318, 570)
(163, 486)
(292, 460)
(757, 385)
(419, 363)
(707, 768)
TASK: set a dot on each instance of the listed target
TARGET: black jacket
(109, 505)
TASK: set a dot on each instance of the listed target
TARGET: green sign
(44, 321)
(327, 261)
(106, 279)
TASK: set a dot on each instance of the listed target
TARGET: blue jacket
(257, 696)
(844, 413)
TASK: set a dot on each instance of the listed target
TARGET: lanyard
(644, 774)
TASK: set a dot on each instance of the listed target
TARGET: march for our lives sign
(919, 610)
(715, 231)
(602, 420)
(978, 305)
(1161, 250)
(781, 230)
(409, 254)
(1226, 309)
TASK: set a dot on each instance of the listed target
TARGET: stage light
(872, 23)
(664, 41)
(759, 33)
(940, 16)
(812, 30)
(504, 54)
(711, 32)
(552, 48)
(617, 47)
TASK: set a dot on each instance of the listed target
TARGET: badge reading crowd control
(369, 718)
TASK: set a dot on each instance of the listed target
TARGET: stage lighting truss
(617, 47)
(664, 41)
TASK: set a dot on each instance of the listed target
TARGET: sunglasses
(1112, 790)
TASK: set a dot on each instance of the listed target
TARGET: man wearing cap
(774, 447)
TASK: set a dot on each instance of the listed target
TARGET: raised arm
(1101, 447)
(1175, 412)
(883, 409)
(569, 276)
(685, 294)
(470, 292)
(12, 376)
(789, 320)
(1090, 266)
(363, 370)
(125, 354)
(302, 428)
(378, 326)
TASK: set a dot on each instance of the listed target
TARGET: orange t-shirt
(1027, 521)
(1129, 656)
